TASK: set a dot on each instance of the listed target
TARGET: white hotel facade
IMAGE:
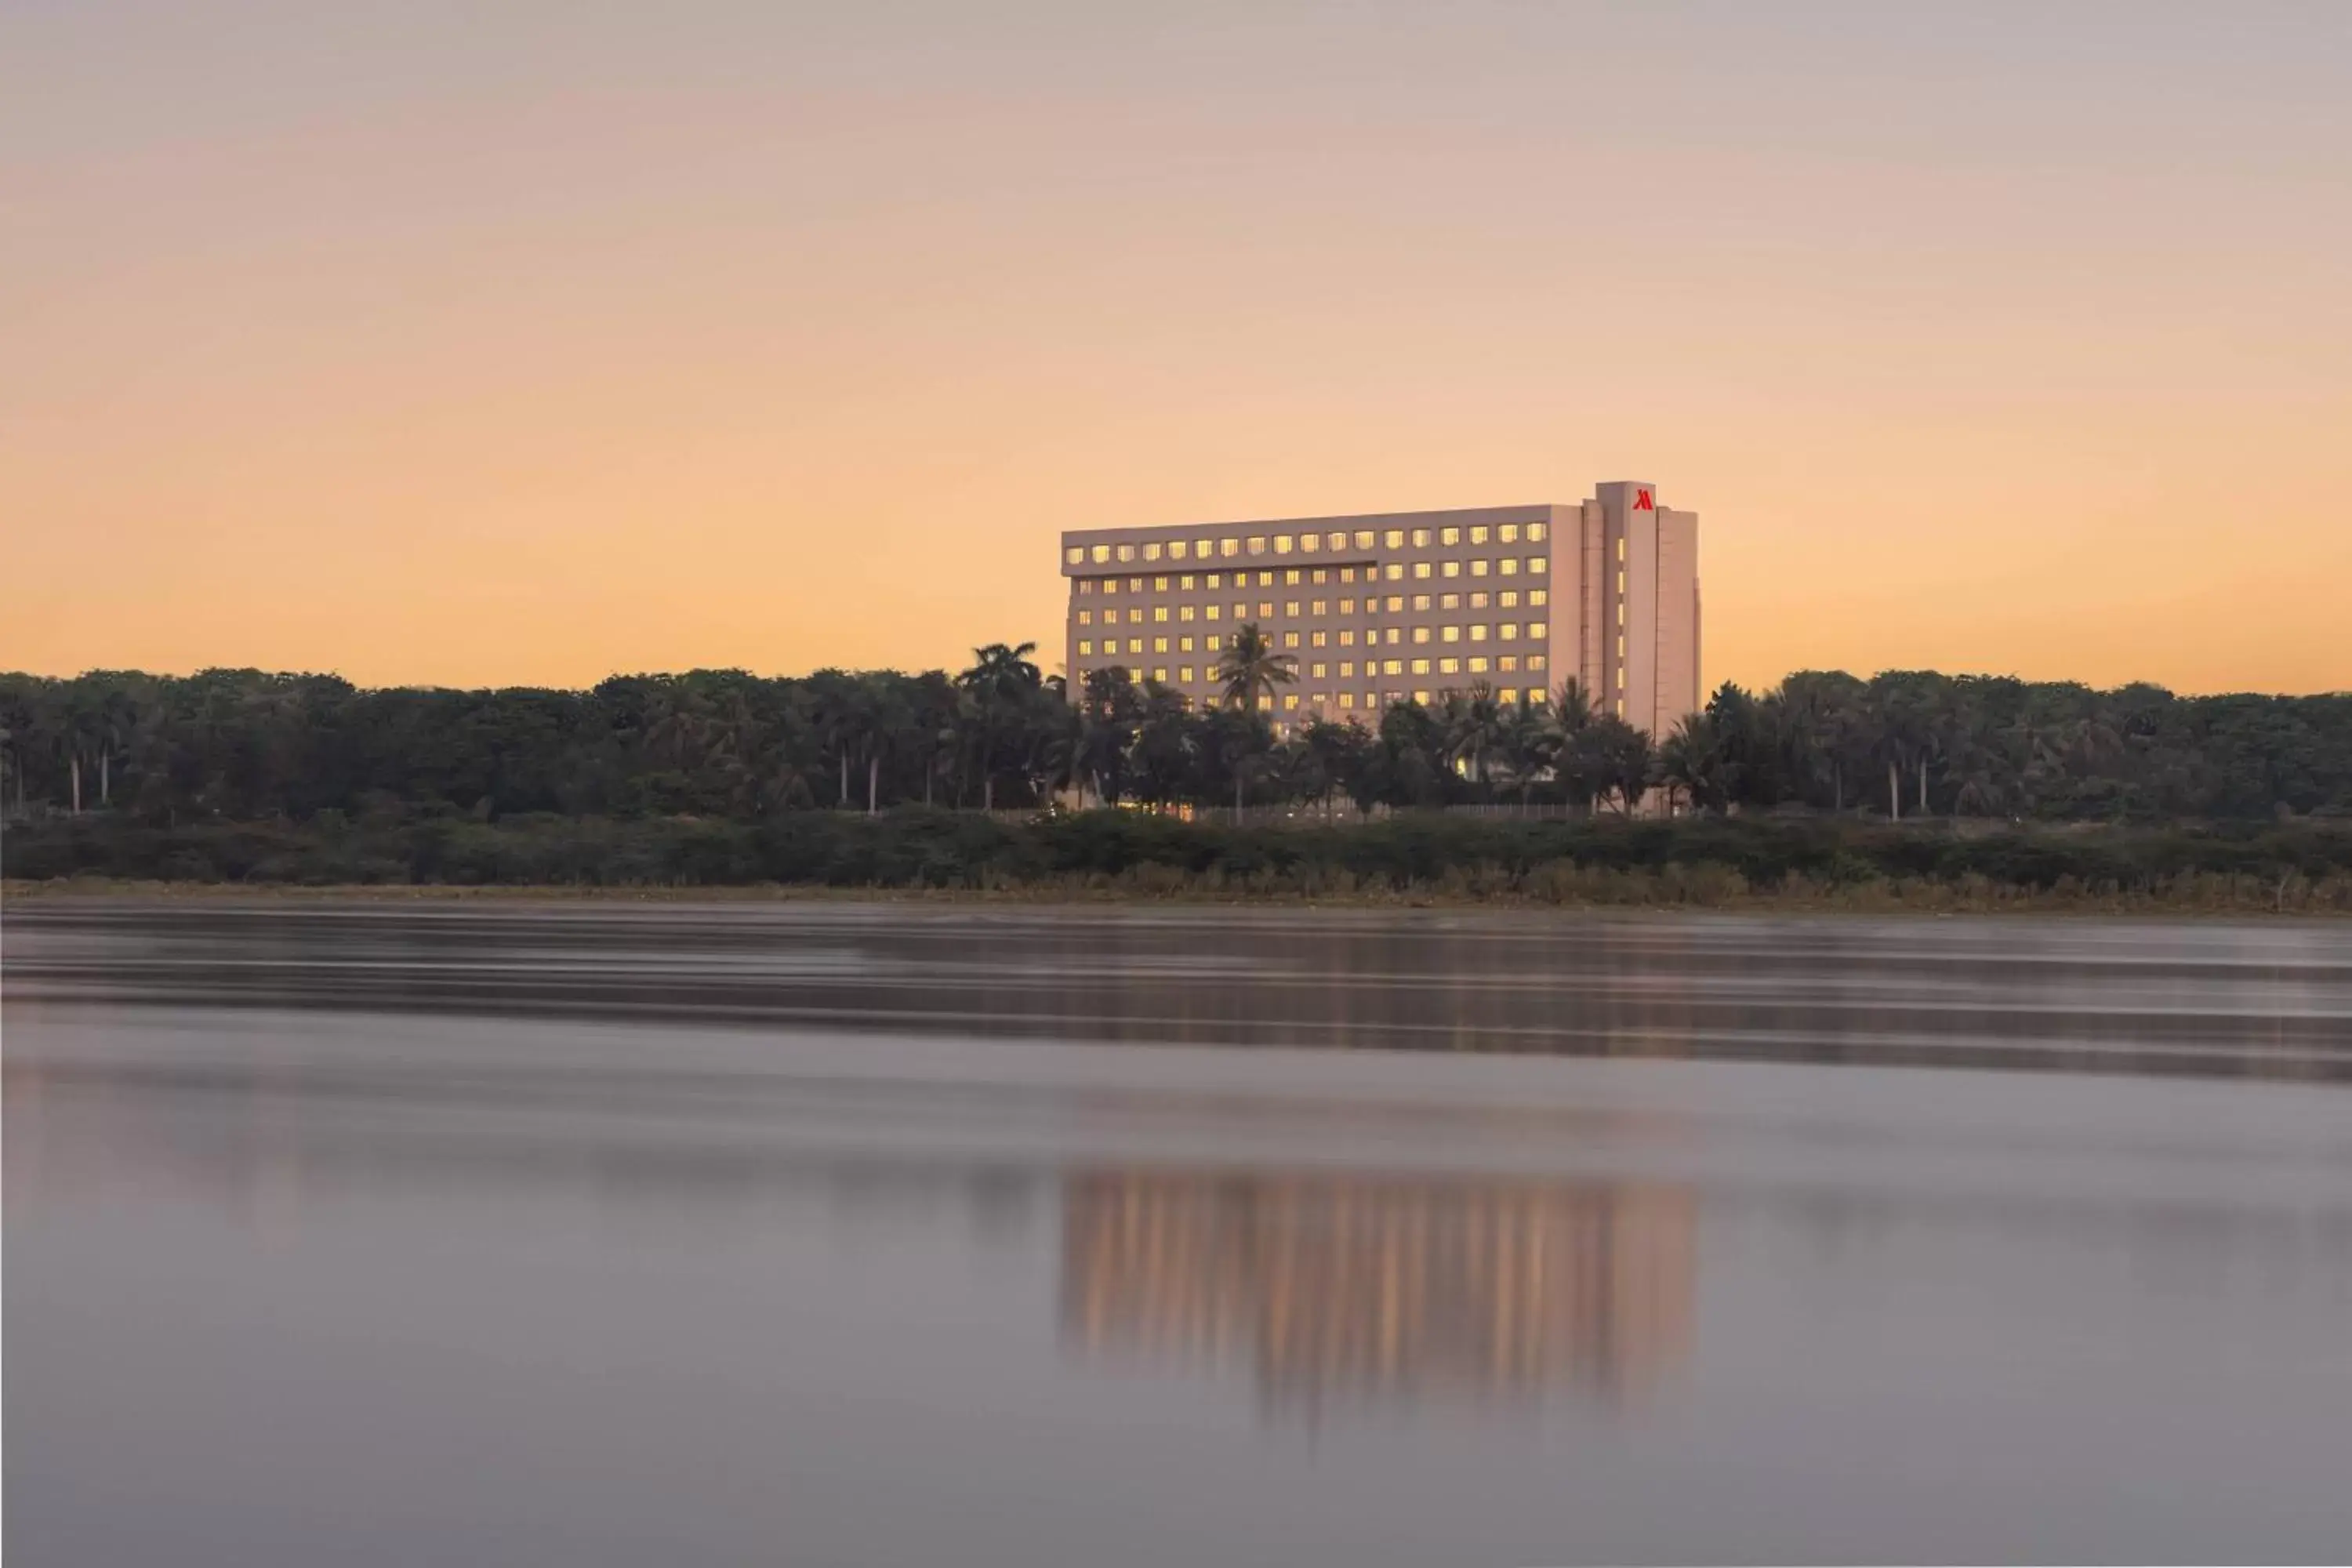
(1381, 608)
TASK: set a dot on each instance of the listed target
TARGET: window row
(1479, 664)
(1394, 572)
(1211, 548)
(1509, 599)
(1375, 637)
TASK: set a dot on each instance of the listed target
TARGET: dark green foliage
(916, 848)
(228, 747)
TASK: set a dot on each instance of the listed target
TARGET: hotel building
(1407, 605)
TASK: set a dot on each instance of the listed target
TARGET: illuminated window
(1395, 539)
(1508, 631)
(1184, 612)
(1620, 548)
(1393, 572)
(1135, 584)
(1535, 662)
(1536, 629)
(1241, 612)
(1347, 699)
(1290, 700)
(1290, 607)
(1291, 576)
(1229, 547)
(1450, 536)
(1265, 579)
(1449, 667)
(1421, 568)
(1074, 555)
(1203, 548)
(1478, 534)
(1477, 664)
(1214, 581)
(1621, 613)
(1421, 539)
(1537, 565)
(1535, 531)
(1507, 663)
(1338, 542)
(1621, 650)
(1135, 645)
(1421, 698)
(1160, 584)
(1160, 644)
(1539, 596)
(1478, 601)
(1620, 584)
(1421, 634)
(1364, 539)
(1450, 569)
(1085, 617)
(1421, 666)
(1184, 674)
(1347, 573)
(1126, 553)
(1347, 636)
(1510, 565)
(1508, 533)
(1110, 584)
(1086, 584)
(1257, 544)
(1392, 666)
(1160, 613)
(1346, 606)
(1186, 582)
(1478, 568)
(1450, 633)
(1322, 607)
(1311, 542)
(1449, 600)
(1347, 670)
(1396, 602)
(1477, 634)
(1284, 544)
(1176, 550)
(1393, 634)
(1152, 551)
(1508, 598)
(1183, 645)
(1085, 646)
(1290, 639)
(1321, 575)
(1265, 609)
(1209, 612)
(1322, 639)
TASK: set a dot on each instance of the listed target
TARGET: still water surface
(875, 1234)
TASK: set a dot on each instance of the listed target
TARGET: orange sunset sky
(523, 343)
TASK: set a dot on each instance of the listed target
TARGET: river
(597, 1233)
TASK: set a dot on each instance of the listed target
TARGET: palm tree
(1250, 667)
(1475, 728)
(1002, 680)
(1692, 762)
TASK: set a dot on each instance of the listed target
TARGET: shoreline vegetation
(1408, 860)
(1911, 790)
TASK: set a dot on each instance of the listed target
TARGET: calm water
(847, 1234)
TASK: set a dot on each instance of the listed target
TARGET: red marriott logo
(1642, 501)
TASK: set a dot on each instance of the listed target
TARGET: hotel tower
(1407, 605)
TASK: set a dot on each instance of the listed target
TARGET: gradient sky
(480, 343)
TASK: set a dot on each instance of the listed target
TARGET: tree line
(247, 745)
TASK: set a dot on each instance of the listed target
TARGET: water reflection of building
(1336, 1287)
